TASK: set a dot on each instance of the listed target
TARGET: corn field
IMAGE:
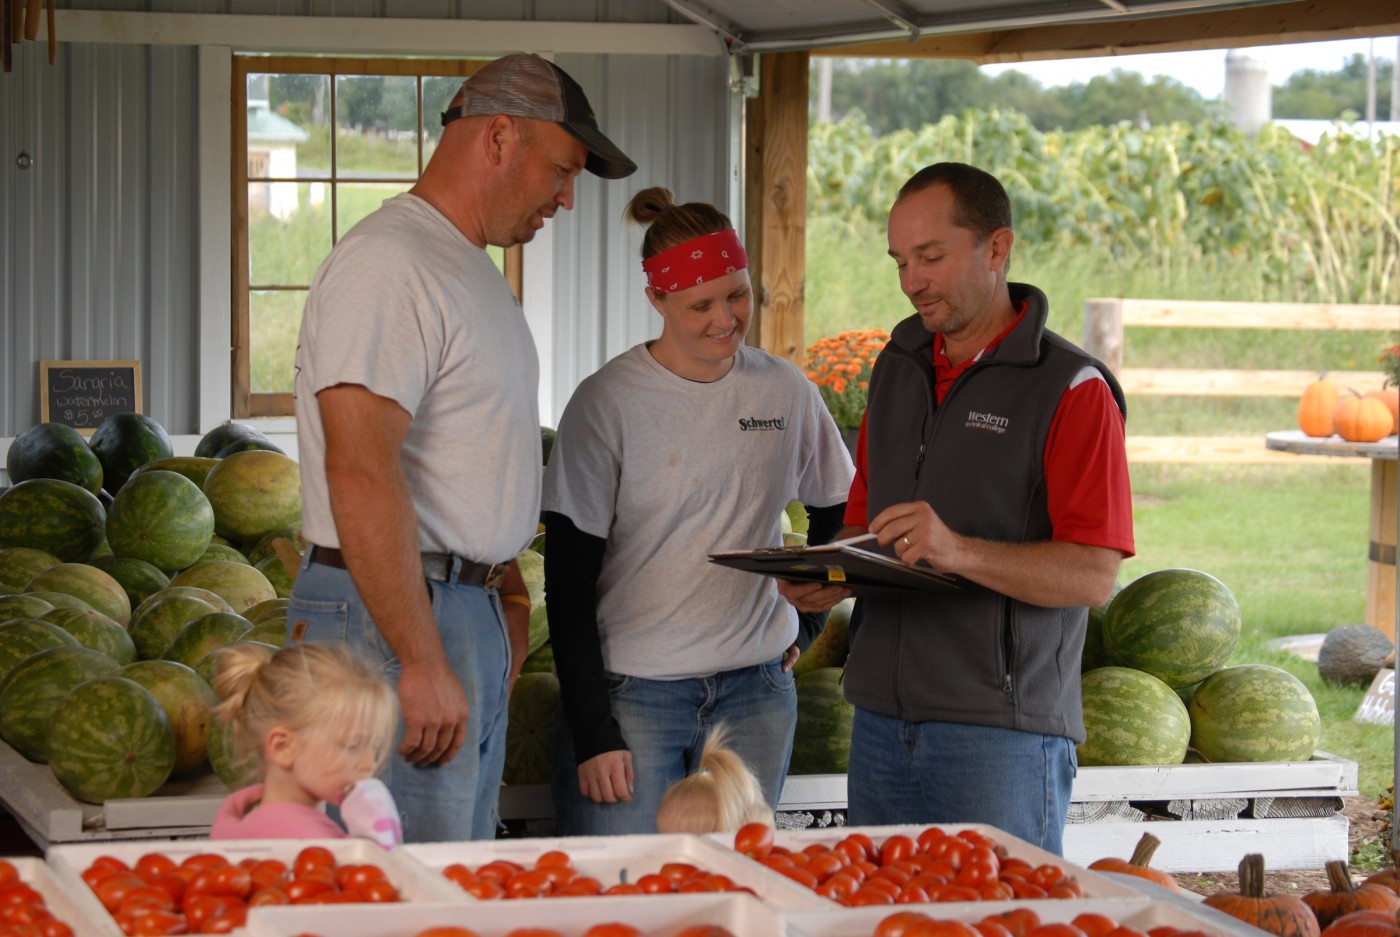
(1319, 222)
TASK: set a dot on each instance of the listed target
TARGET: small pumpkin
(1365, 924)
(1281, 915)
(1139, 864)
(1389, 878)
(1360, 419)
(1315, 407)
(1342, 897)
(1390, 396)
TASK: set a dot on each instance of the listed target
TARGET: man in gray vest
(992, 449)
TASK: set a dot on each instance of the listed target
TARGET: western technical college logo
(987, 421)
(747, 423)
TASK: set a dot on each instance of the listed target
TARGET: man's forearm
(1051, 574)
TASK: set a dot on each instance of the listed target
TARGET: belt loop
(454, 567)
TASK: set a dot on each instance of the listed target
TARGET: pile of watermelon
(122, 567)
(1157, 691)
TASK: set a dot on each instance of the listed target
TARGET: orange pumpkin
(1281, 915)
(1390, 396)
(1389, 878)
(1342, 897)
(1360, 419)
(1316, 405)
(1139, 864)
(1365, 924)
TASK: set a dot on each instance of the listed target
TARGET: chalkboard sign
(82, 394)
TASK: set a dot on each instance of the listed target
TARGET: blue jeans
(665, 723)
(943, 772)
(455, 801)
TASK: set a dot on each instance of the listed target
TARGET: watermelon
(239, 584)
(195, 468)
(821, 743)
(154, 626)
(139, 578)
(253, 493)
(540, 661)
(532, 570)
(249, 445)
(162, 518)
(547, 437)
(276, 573)
(220, 436)
(203, 635)
(263, 548)
(22, 638)
(88, 583)
(189, 592)
(54, 516)
(234, 767)
(538, 635)
(60, 600)
(18, 565)
(534, 707)
(829, 648)
(188, 701)
(31, 693)
(95, 630)
(126, 441)
(1180, 625)
(269, 631)
(23, 605)
(1131, 718)
(271, 608)
(1254, 712)
(1095, 654)
(52, 450)
(111, 739)
(220, 551)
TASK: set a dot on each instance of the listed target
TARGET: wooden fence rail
(1104, 320)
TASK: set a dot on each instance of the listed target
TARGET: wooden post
(782, 204)
(1103, 331)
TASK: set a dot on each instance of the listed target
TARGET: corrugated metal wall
(100, 254)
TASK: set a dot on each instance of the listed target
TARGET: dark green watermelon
(139, 578)
(23, 605)
(18, 565)
(1180, 625)
(821, 743)
(222, 436)
(95, 630)
(22, 638)
(249, 445)
(57, 517)
(195, 468)
(154, 626)
(534, 707)
(111, 739)
(30, 694)
(126, 441)
(204, 634)
(52, 450)
(188, 701)
(162, 518)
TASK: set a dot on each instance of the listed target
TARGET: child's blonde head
(720, 797)
(313, 689)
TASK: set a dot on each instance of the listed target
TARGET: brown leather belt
(436, 566)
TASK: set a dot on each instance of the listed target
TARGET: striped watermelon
(126, 441)
(30, 695)
(822, 741)
(162, 518)
(1180, 625)
(253, 493)
(92, 629)
(22, 638)
(52, 450)
(1254, 712)
(534, 707)
(111, 739)
(195, 468)
(18, 565)
(98, 589)
(236, 768)
(1131, 718)
(154, 626)
(188, 701)
(23, 605)
(203, 635)
(238, 584)
(139, 578)
(55, 516)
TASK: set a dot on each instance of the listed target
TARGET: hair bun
(649, 204)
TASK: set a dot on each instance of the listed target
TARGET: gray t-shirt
(409, 308)
(670, 470)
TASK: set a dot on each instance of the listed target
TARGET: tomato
(1024, 888)
(582, 885)
(696, 884)
(799, 875)
(991, 927)
(705, 930)
(1094, 925)
(826, 864)
(232, 880)
(754, 840)
(1047, 875)
(928, 837)
(623, 888)
(357, 876)
(159, 922)
(204, 861)
(942, 928)
(226, 922)
(1123, 930)
(554, 857)
(112, 891)
(148, 898)
(976, 873)
(886, 885)
(301, 890)
(313, 857)
(996, 891)
(8, 873)
(498, 870)
(869, 896)
(534, 932)
(839, 886)
(267, 872)
(53, 927)
(897, 924)
(613, 929)
(897, 847)
(485, 889)
(447, 931)
(954, 893)
(678, 871)
(655, 883)
(378, 892)
(152, 864)
(911, 894)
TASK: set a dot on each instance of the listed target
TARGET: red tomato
(656, 884)
(152, 864)
(231, 880)
(996, 891)
(911, 894)
(1020, 921)
(447, 931)
(954, 893)
(928, 837)
(554, 857)
(381, 892)
(613, 929)
(498, 870)
(458, 874)
(839, 886)
(897, 924)
(942, 928)
(203, 861)
(484, 889)
(826, 864)
(1047, 875)
(869, 896)
(53, 927)
(358, 876)
(267, 872)
(226, 922)
(991, 927)
(8, 873)
(159, 922)
(678, 871)
(111, 891)
(897, 847)
(200, 908)
(1094, 925)
(268, 894)
(705, 930)
(302, 890)
(623, 888)
(534, 932)
(313, 857)
(754, 840)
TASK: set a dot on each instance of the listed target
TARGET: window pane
(376, 126)
(289, 232)
(360, 199)
(289, 115)
(438, 93)
(274, 319)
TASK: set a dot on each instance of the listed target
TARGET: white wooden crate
(58, 895)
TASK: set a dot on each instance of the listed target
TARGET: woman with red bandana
(680, 447)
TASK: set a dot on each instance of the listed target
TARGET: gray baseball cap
(526, 85)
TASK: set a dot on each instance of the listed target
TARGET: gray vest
(976, 657)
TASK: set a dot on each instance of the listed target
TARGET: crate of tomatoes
(599, 866)
(882, 865)
(32, 896)
(690, 915)
(207, 887)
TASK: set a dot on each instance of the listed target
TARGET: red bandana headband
(697, 261)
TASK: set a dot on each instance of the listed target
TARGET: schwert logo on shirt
(754, 423)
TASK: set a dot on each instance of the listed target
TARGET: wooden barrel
(1380, 570)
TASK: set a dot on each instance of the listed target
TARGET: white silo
(1248, 94)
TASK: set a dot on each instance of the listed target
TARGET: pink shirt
(241, 816)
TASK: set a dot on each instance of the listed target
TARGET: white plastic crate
(58, 895)
(663, 916)
(68, 862)
(1143, 915)
(1093, 884)
(608, 858)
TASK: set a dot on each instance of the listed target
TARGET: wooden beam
(1211, 382)
(782, 204)
(1251, 26)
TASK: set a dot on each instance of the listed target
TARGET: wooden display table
(1385, 481)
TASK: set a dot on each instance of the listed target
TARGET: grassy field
(1289, 541)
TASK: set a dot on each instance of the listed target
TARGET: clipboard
(864, 572)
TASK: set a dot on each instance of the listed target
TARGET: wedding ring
(905, 538)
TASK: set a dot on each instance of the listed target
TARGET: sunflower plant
(1390, 365)
(840, 367)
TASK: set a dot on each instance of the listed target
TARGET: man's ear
(500, 139)
(280, 747)
(999, 248)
